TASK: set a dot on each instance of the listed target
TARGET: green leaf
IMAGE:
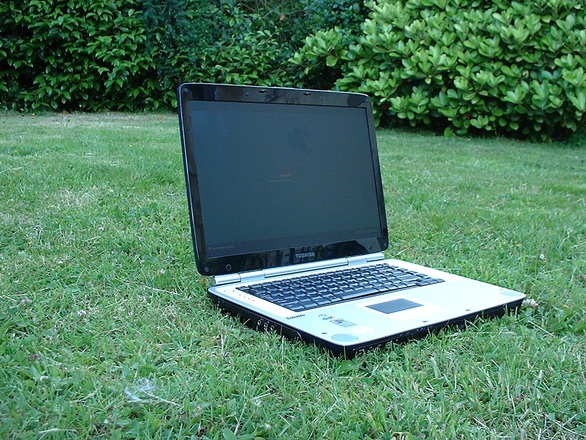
(579, 100)
(448, 132)
(331, 60)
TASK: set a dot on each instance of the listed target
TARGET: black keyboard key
(351, 294)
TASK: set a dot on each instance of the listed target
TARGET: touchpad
(396, 305)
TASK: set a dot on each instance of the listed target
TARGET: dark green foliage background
(459, 66)
(75, 55)
(131, 54)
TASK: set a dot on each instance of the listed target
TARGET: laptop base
(262, 323)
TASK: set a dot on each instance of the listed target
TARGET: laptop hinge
(259, 275)
(226, 279)
(242, 277)
(361, 259)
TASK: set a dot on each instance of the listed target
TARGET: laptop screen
(279, 181)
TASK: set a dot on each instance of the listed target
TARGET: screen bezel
(211, 266)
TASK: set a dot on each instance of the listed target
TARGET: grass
(106, 330)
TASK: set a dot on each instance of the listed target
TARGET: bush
(336, 25)
(246, 41)
(198, 40)
(74, 55)
(131, 55)
(178, 32)
(465, 65)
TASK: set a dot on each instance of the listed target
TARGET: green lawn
(106, 330)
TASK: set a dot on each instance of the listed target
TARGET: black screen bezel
(207, 265)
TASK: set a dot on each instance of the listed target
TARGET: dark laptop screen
(281, 183)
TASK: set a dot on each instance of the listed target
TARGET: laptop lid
(279, 176)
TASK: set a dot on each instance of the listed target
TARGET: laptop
(288, 218)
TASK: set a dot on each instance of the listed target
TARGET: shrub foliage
(74, 55)
(459, 65)
(202, 40)
(131, 54)
(465, 65)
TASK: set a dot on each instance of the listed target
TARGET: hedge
(74, 55)
(131, 55)
(505, 67)
(239, 41)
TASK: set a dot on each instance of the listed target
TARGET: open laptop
(287, 214)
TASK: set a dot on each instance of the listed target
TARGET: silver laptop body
(284, 184)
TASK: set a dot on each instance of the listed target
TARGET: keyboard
(308, 292)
